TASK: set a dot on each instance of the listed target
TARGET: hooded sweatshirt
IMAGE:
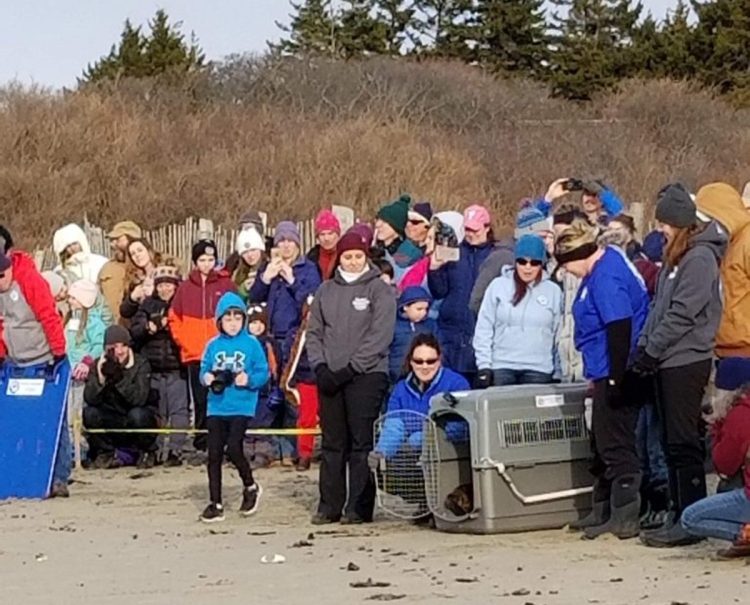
(83, 264)
(723, 204)
(731, 441)
(352, 324)
(240, 353)
(406, 330)
(521, 337)
(681, 326)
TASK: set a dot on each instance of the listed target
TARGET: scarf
(350, 278)
(327, 262)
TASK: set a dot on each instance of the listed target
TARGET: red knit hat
(327, 221)
(352, 240)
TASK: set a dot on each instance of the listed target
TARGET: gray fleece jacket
(686, 310)
(352, 323)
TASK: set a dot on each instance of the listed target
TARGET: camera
(222, 380)
(111, 368)
(573, 185)
(156, 318)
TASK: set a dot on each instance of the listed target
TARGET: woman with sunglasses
(515, 341)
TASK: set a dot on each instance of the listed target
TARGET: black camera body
(156, 318)
(222, 380)
(111, 368)
(573, 185)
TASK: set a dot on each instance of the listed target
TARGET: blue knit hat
(533, 217)
(532, 247)
(414, 294)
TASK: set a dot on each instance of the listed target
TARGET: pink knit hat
(327, 221)
(84, 291)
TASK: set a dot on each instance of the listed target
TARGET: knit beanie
(286, 230)
(422, 212)
(327, 221)
(249, 239)
(364, 230)
(676, 208)
(258, 312)
(534, 217)
(531, 246)
(7, 239)
(352, 241)
(84, 291)
(116, 335)
(396, 214)
(204, 246)
(166, 274)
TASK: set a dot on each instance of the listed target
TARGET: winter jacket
(244, 274)
(90, 343)
(401, 254)
(521, 337)
(32, 331)
(571, 360)
(191, 317)
(723, 204)
(454, 282)
(407, 408)
(503, 255)
(406, 330)
(234, 354)
(132, 391)
(285, 301)
(112, 285)
(84, 264)
(159, 348)
(681, 326)
(352, 324)
(731, 441)
(324, 261)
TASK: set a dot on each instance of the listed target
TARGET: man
(327, 234)
(112, 275)
(117, 396)
(418, 223)
(599, 202)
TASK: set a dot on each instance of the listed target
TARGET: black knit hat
(676, 207)
(204, 246)
(116, 335)
(7, 240)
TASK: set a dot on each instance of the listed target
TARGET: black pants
(226, 432)
(199, 400)
(680, 395)
(613, 431)
(347, 420)
(107, 418)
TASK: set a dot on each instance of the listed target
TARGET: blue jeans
(507, 377)
(64, 457)
(648, 443)
(721, 516)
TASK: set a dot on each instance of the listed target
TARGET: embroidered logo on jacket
(361, 304)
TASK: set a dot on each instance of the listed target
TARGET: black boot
(657, 506)
(625, 505)
(599, 507)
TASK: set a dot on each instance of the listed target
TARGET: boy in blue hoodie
(234, 368)
(413, 318)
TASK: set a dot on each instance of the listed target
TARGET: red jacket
(35, 290)
(731, 441)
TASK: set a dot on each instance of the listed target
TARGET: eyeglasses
(527, 261)
(424, 362)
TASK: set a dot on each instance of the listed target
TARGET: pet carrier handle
(537, 498)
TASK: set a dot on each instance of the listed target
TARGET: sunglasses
(526, 261)
(424, 362)
(413, 221)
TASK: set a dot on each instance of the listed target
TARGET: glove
(373, 460)
(615, 396)
(112, 371)
(344, 375)
(644, 364)
(484, 379)
(326, 380)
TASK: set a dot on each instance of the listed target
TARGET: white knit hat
(84, 291)
(249, 239)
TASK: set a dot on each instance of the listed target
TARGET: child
(150, 331)
(413, 309)
(234, 368)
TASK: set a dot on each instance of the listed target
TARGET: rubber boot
(599, 507)
(625, 505)
(658, 506)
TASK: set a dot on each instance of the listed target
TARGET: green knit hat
(396, 213)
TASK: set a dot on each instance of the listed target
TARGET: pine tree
(592, 46)
(443, 28)
(361, 32)
(398, 18)
(313, 30)
(163, 52)
(676, 36)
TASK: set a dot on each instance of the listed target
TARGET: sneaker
(59, 490)
(251, 499)
(303, 464)
(172, 461)
(213, 513)
(146, 460)
(321, 519)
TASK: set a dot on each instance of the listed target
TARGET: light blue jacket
(90, 342)
(523, 337)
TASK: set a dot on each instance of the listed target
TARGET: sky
(50, 42)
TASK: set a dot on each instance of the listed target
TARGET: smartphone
(447, 254)
(573, 185)
(275, 254)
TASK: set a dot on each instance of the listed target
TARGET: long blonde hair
(84, 319)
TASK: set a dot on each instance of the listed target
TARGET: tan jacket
(112, 285)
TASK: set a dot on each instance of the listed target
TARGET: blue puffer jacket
(408, 407)
(285, 304)
(454, 282)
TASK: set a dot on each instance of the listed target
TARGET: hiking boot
(213, 513)
(671, 534)
(303, 464)
(625, 506)
(59, 490)
(172, 461)
(321, 519)
(251, 499)
(146, 460)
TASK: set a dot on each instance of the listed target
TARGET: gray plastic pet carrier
(508, 459)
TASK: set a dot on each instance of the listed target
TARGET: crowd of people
(382, 316)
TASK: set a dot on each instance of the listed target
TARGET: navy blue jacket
(403, 334)
(454, 282)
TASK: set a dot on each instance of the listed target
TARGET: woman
(609, 312)
(251, 250)
(350, 331)
(677, 343)
(453, 281)
(515, 341)
(390, 235)
(141, 262)
(73, 252)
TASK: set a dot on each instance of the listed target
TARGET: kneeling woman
(610, 310)
(515, 335)
(350, 331)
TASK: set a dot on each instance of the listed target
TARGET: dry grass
(291, 138)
